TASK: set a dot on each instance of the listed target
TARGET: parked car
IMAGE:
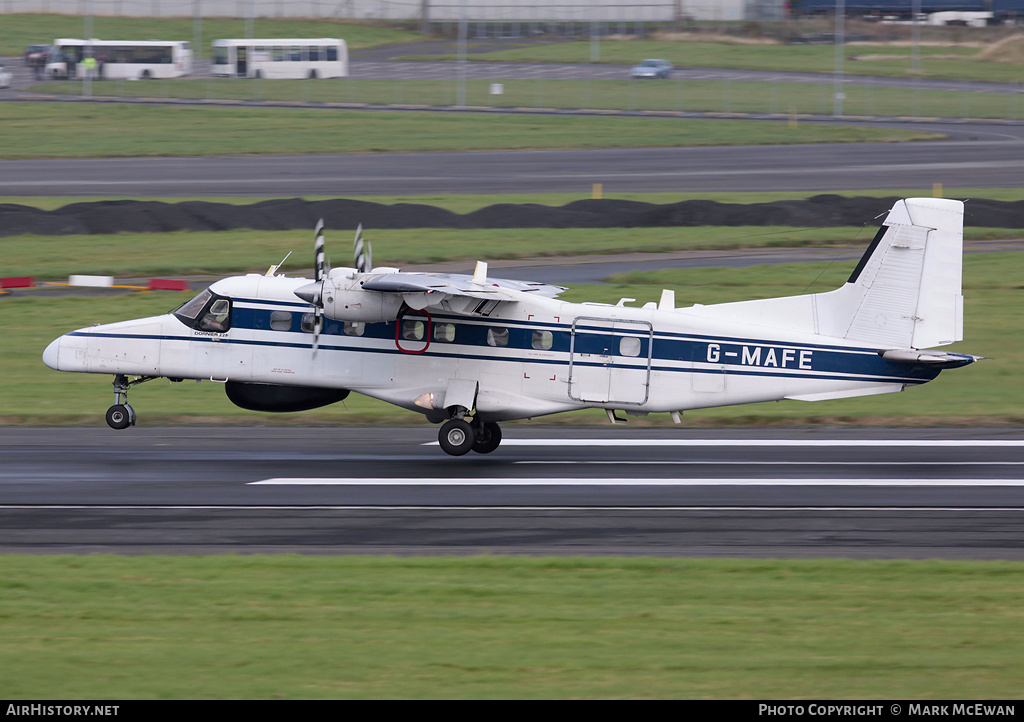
(652, 68)
(5, 77)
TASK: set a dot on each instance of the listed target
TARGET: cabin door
(610, 361)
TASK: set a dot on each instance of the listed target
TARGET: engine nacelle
(273, 397)
(344, 300)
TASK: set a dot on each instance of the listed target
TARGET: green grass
(60, 130)
(285, 627)
(678, 95)
(126, 255)
(948, 62)
(469, 202)
(17, 31)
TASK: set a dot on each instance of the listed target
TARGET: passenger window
(444, 332)
(280, 321)
(412, 330)
(354, 328)
(542, 340)
(497, 337)
(218, 318)
(308, 320)
(629, 346)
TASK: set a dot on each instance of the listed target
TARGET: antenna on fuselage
(273, 269)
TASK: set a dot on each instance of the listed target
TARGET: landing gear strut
(458, 436)
(121, 415)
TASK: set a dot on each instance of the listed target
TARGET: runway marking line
(484, 507)
(551, 481)
(717, 462)
(763, 442)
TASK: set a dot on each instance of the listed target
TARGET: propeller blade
(318, 325)
(319, 262)
(364, 261)
(316, 294)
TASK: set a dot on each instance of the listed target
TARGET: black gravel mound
(295, 213)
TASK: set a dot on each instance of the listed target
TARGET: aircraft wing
(451, 284)
(380, 295)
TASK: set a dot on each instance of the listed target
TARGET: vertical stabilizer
(906, 290)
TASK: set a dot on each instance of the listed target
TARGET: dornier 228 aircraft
(471, 351)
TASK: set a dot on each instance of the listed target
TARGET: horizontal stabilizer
(938, 359)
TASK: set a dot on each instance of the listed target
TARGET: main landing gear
(121, 415)
(458, 436)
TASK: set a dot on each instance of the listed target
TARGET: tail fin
(905, 292)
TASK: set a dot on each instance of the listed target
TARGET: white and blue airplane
(471, 351)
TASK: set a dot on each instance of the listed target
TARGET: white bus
(281, 58)
(115, 59)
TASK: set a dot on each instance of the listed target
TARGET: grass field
(947, 61)
(677, 94)
(43, 130)
(468, 203)
(127, 255)
(286, 627)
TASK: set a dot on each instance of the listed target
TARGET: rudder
(906, 292)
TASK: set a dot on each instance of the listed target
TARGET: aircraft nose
(51, 355)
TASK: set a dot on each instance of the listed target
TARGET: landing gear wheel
(120, 416)
(488, 438)
(456, 437)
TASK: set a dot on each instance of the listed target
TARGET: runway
(992, 160)
(854, 493)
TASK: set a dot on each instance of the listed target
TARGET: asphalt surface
(855, 493)
(990, 157)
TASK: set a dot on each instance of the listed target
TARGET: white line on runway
(698, 462)
(552, 481)
(762, 442)
(479, 507)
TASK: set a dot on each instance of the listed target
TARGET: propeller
(364, 259)
(313, 293)
(319, 273)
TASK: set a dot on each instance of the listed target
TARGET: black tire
(119, 416)
(456, 437)
(488, 438)
(145, 75)
(312, 75)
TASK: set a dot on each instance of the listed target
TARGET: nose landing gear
(121, 415)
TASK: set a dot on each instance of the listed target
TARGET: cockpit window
(190, 309)
(217, 317)
(206, 312)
